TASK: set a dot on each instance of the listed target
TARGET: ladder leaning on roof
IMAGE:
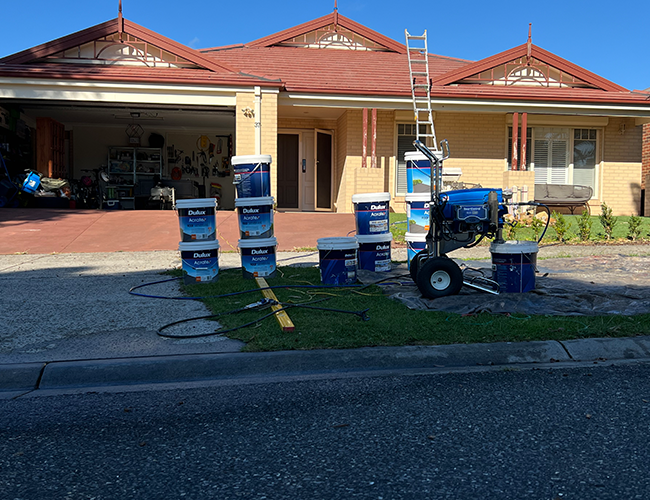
(421, 88)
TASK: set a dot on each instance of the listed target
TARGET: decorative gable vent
(332, 37)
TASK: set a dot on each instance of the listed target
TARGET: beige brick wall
(621, 169)
(621, 187)
(524, 181)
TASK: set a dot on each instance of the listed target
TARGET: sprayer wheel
(439, 277)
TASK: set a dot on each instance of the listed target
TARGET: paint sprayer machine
(457, 219)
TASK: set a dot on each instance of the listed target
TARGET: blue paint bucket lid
(249, 159)
(186, 246)
(370, 197)
(258, 242)
(254, 201)
(337, 243)
(374, 238)
(196, 203)
(514, 247)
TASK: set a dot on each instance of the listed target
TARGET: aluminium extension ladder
(421, 88)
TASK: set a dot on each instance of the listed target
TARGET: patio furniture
(564, 195)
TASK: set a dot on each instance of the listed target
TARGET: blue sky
(609, 39)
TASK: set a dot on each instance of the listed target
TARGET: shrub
(511, 230)
(560, 225)
(584, 226)
(634, 227)
(607, 220)
(536, 224)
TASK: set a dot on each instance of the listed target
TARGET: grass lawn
(389, 322)
(619, 235)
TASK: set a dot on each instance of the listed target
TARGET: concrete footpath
(69, 324)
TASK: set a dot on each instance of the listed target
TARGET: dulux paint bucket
(200, 261)
(371, 212)
(197, 219)
(338, 260)
(514, 264)
(258, 257)
(374, 252)
(252, 176)
(417, 212)
(255, 217)
(415, 243)
(418, 172)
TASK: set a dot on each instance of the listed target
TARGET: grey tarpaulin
(583, 286)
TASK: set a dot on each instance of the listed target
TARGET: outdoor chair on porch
(564, 195)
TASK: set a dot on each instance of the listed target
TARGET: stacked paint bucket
(369, 249)
(199, 246)
(254, 204)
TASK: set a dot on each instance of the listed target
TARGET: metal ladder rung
(417, 37)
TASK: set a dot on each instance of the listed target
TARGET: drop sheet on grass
(584, 286)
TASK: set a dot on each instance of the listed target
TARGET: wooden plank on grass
(282, 316)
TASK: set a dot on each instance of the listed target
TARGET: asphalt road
(504, 434)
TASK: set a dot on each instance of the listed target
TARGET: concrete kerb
(87, 374)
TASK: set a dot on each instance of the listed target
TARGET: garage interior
(121, 152)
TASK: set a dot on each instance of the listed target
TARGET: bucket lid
(416, 237)
(197, 203)
(374, 238)
(258, 242)
(370, 197)
(514, 246)
(246, 159)
(190, 246)
(418, 197)
(337, 243)
(259, 200)
(418, 155)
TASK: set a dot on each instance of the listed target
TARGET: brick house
(330, 101)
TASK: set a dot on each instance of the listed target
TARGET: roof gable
(117, 42)
(529, 66)
(331, 31)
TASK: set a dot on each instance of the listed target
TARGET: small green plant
(607, 220)
(560, 225)
(584, 226)
(536, 225)
(511, 230)
(634, 227)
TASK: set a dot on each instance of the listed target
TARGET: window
(551, 155)
(584, 157)
(405, 137)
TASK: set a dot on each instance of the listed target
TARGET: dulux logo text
(377, 207)
(196, 212)
(259, 252)
(251, 210)
(383, 247)
(201, 255)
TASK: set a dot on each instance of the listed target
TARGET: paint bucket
(197, 219)
(255, 217)
(252, 175)
(200, 261)
(258, 257)
(371, 212)
(338, 260)
(374, 252)
(418, 172)
(513, 265)
(415, 243)
(417, 212)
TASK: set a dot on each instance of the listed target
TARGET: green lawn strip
(620, 233)
(390, 323)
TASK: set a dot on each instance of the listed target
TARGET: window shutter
(404, 144)
(541, 162)
(559, 166)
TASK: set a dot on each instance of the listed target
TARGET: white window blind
(551, 155)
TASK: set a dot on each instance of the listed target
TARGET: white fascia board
(12, 88)
(463, 105)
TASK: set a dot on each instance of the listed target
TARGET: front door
(305, 170)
